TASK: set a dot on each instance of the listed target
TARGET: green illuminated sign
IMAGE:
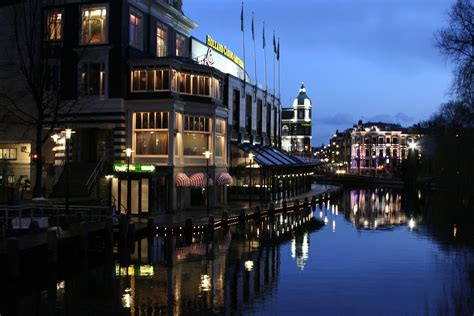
(134, 167)
(306, 124)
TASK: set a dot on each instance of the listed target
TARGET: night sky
(359, 59)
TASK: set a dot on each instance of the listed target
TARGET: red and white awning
(224, 179)
(199, 180)
(182, 180)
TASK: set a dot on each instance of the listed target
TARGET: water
(380, 253)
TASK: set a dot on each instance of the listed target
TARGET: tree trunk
(39, 162)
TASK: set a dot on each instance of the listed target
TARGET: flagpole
(274, 60)
(243, 41)
(278, 57)
(254, 51)
(265, 57)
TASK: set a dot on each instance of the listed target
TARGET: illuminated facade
(139, 80)
(296, 125)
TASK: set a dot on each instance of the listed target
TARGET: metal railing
(22, 216)
(96, 173)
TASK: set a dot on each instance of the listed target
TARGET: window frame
(48, 23)
(138, 31)
(164, 27)
(102, 7)
(154, 129)
(85, 69)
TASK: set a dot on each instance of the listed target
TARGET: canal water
(379, 252)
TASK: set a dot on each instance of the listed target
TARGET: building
(372, 147)
(136, 79)
(296, 125)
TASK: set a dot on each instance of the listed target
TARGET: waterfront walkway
(199, 217)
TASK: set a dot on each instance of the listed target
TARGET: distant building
(296, 125)
(371, 146)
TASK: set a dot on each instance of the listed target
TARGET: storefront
(149, 188)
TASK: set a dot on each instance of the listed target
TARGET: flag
(278, 50)
(253, 30)
(242, 18)
(274, 43)
(263, 35)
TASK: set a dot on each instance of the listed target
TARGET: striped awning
(182, 180)
(224, 179)
(199, 180)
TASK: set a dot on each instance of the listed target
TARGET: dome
(302, 98)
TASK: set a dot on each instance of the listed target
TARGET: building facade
(297, 126)
(371, 147)
(140, 81)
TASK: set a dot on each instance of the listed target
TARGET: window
(300, 114)
(269, 119)
(248, 113)
(8, 153)
(259, 117)
(220, 138)
(196, 135)
(135, 30)
(93, 80)
(150, 80)
(151, 133)
(55, 27)
(94, 26)
(235, 111)
(161, 41)
(180, 45)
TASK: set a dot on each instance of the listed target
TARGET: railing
(95, 175)
(21, 217)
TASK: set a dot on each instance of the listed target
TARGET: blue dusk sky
(373, 60)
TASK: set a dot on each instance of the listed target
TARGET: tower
(296, 124)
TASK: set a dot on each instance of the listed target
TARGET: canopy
(199, 180)
(182, 180)
(224, 179)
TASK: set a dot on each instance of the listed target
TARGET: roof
(269, 156)
(383, 126)
(302, 96)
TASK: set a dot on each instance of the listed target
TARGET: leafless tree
(33, 99)
(456, 42)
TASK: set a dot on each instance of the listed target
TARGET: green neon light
(134, 167)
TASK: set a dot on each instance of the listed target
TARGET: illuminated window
(93, 79)
(180, 45)
(8, 153)
(161, 41)
(135, 30)
(220, 138)
(151, 133)
(55, 29)
(196, 135)
(94, 24)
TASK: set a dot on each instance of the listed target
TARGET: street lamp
(68, 133)
(251, 157)
(128, 153)
(207, 154)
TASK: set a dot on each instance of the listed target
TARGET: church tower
(296, 125)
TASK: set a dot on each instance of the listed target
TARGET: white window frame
(166, 30)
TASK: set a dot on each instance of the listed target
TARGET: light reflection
(455, 231)
(411, 224)
(333, 226)
(205, 285)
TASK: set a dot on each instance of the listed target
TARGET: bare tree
(456, 42)
(34, 100)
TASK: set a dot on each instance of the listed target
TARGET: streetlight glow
(207, 154)
(128, 152)
(413, 145)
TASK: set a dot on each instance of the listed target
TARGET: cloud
(339, 119)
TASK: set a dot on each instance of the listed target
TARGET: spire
(302, 89)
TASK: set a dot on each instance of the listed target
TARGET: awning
(199, 180)
(268, 156)
(224, 179)
(182, 180)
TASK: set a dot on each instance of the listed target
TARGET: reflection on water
(380, 252)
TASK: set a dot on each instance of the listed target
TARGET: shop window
(94, 25)
(135, 30)
(151, 133)
(161, 40)
(55, 26)
(93, 79)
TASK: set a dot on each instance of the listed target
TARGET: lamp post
(128, 153)
(207, 154)
(68, 133)
(251, 156)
